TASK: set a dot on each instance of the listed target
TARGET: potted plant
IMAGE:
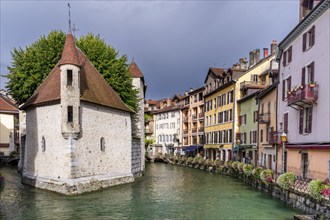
(286, 180)
(312, 84)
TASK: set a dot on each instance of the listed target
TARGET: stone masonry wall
(138, 149)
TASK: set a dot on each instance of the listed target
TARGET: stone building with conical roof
(79, 132)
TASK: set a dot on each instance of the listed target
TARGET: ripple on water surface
(165, 192)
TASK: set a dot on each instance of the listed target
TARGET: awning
(244, 146)
(307, 146)
(191, 148)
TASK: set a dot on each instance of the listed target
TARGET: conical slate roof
(93, 87)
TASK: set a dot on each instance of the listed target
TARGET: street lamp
(283, 139)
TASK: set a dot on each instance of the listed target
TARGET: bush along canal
(309, 196)
(165, 192)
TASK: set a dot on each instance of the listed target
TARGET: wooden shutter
(312, 71)
(310, 117)
(304, 42)
(261, 135)
(284, 58)
(245, 137)
(250, 137)
(283, 90)
(303, 73)
(239, 120)
(238, 136)
(286, 116)
(301, 121)
(289, 83)
(312, 37)
(290, 54)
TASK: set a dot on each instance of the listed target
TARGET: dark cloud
(173, 42)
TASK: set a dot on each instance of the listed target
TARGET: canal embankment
(293, 192)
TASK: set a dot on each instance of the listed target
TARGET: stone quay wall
(295, 199)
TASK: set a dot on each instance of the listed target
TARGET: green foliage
(228, 164)
(240, 167)
(256, 172)
(13, 154)
(147, 117)
(247, 169)
(30, 66)
(286, 180)
(314, 188)
(234, 165)
(148, 142)
(190, 159)
(195, 160)
(266, 176)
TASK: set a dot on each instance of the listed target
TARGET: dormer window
(70, 114)
(69, 77)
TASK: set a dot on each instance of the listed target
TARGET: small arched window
(102, 144)
(43, 144)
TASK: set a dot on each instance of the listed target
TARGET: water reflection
(166, 192)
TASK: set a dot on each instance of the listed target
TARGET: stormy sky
(173, 42)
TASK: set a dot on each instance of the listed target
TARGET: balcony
(200, 130)
(194, 117)
(185, 131)
(194, 130)
(264, 118)
(274, 137)
(302, 97)
(252, 85)
(201, 116)
(185, 119)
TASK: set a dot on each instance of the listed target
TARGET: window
(305, 120)
(285, 122)
(102, 144)
(307, 75)
(215, 118)
(215, 103)
(70, 114)
(242, 119)
(255, 116)
(286, 87)
(230, 134)
(200, 96)
(43, 144)
(308, 39)
(261, 135)
(230, 115)
(254, 78)
(69, 77)
(287, 56)
(195, 98)
(219, 117)
(230, 96)
(172, 114)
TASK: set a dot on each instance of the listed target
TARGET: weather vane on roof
(69, 18)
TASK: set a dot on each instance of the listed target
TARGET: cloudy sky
(173, 42)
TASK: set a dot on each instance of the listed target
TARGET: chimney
(251, 56)
(186, 93)
(273, 47)
(265, 52)
(243, 63)
(257, 56)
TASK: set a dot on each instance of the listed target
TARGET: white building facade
(168, 130)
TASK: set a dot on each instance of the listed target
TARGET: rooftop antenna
(69, 18)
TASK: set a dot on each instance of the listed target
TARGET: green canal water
(165, 192)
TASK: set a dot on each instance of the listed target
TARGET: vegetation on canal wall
(311, 197)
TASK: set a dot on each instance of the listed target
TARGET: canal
(166, 192)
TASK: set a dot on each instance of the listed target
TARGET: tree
(32, 65)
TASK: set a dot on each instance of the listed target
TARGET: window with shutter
(261, 135)
(290, 54)
(285, 124)
(244, 137)
(284, 58)
(312, 39)
(304, 42)
(303, 83)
